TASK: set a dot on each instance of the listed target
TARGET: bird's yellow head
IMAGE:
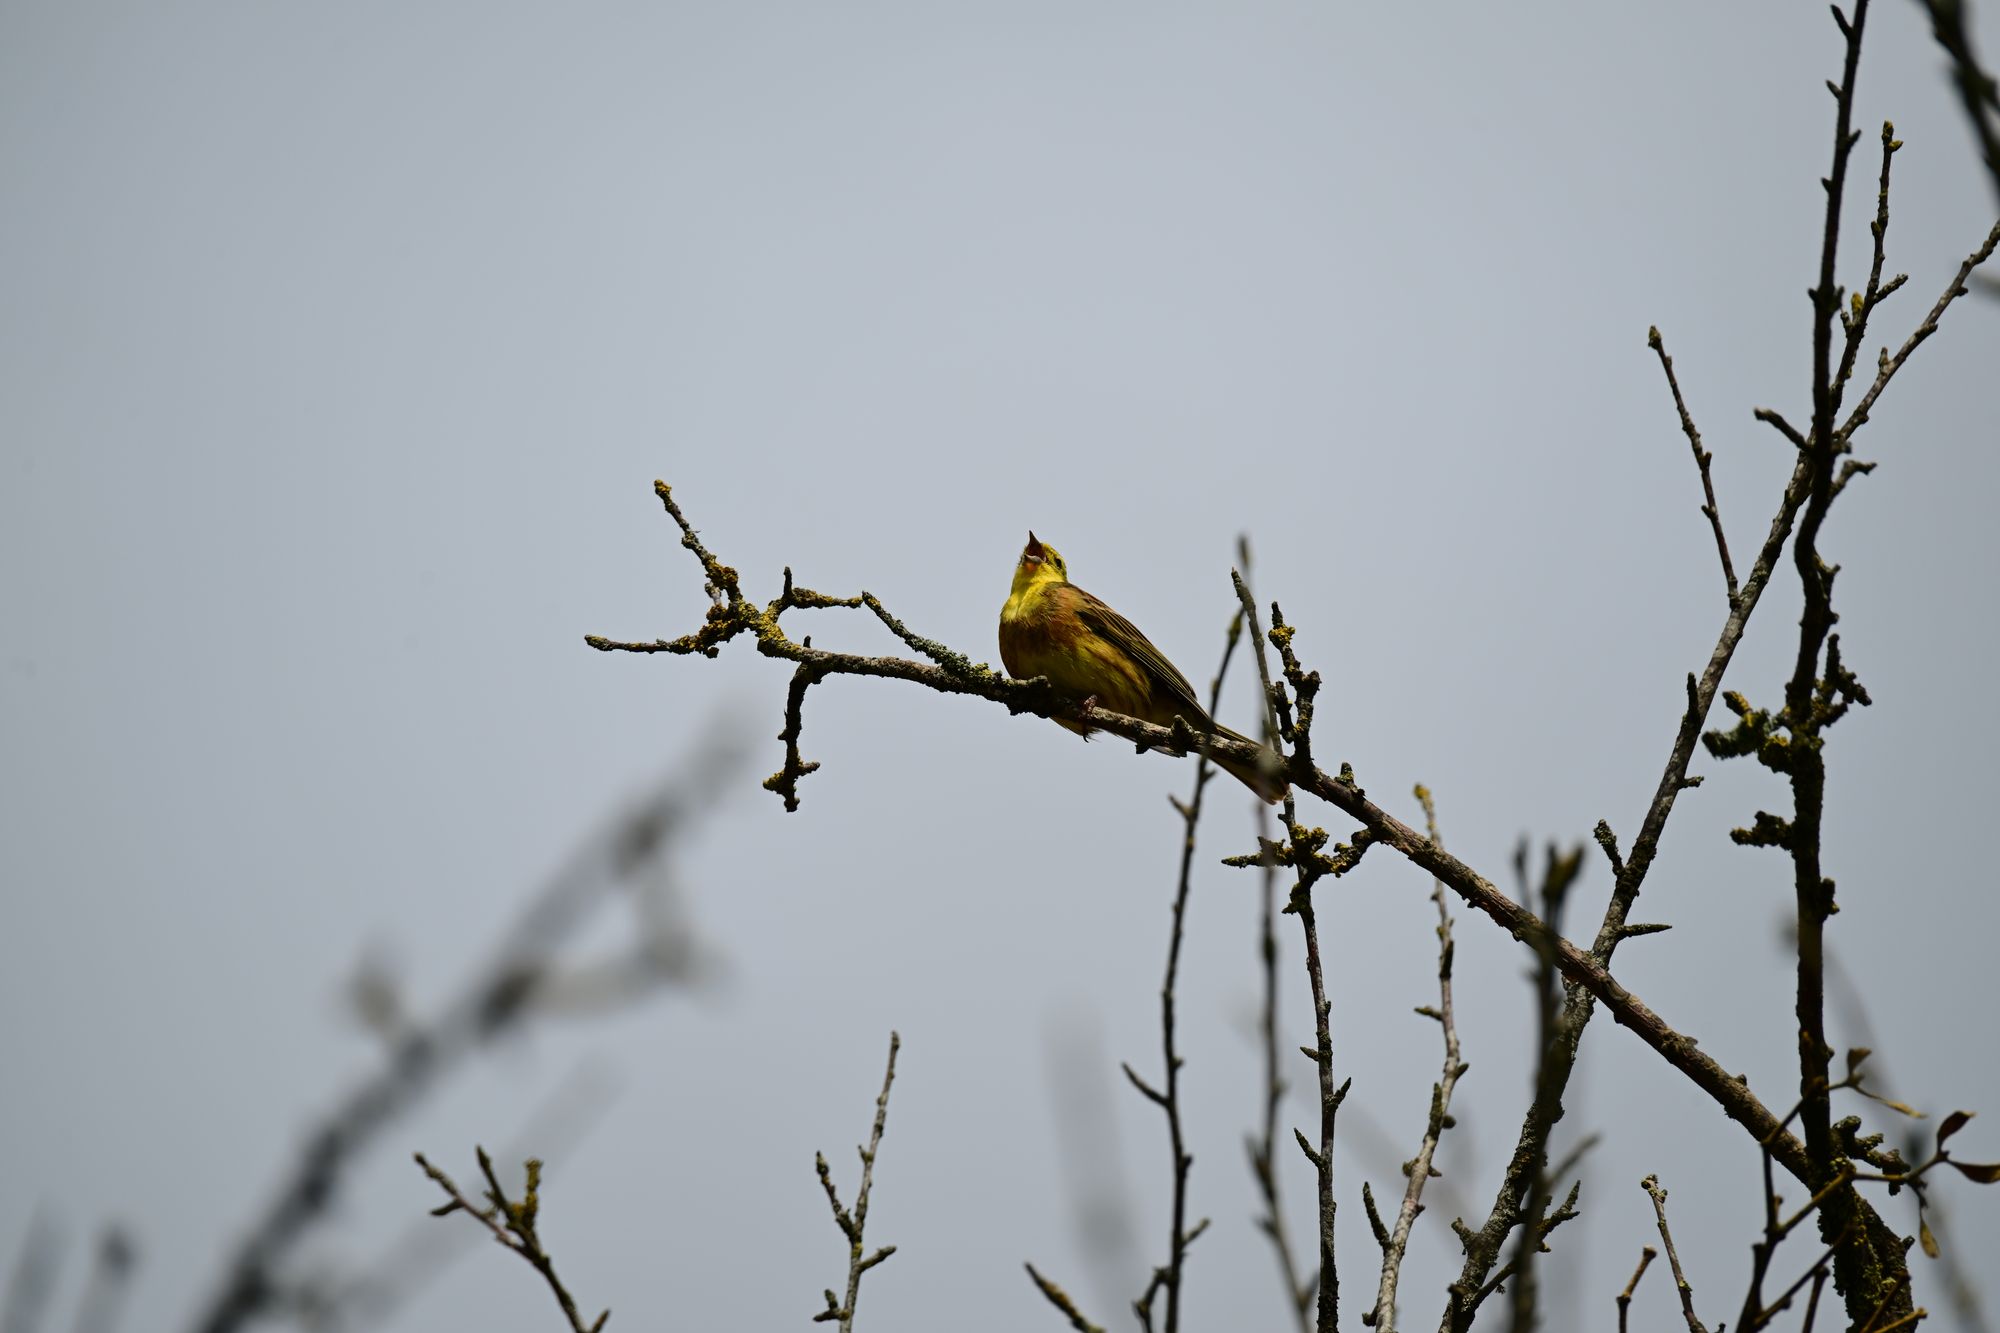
(1039, 564)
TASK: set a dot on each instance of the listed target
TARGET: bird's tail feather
(1265, 775)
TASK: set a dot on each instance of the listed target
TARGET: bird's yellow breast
(1042, 635)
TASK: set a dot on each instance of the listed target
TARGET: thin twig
(1651, 1184)
(1263, 1148)
(854, 1225)
(1525, 1188)
(1888, 365)
(1295, 724)
(1820, 1276)
(1419, 1169)
(1329, 1106)
(1167, 1279)
(1061, 1300)
(369, 1294)
(1817, 1273)
(1646, 1256)
(1701, 461)
(512, 1224)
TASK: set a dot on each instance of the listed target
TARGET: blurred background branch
(1952, 25)
(525, 978)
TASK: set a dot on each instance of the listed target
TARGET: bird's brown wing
(1174, 691)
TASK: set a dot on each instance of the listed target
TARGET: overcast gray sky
(340, 346)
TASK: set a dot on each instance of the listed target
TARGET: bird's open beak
(1034, 549)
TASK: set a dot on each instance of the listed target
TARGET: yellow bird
(1050, 627)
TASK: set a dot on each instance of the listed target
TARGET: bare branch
(1419, 1170)
(1168, 1278)
(1061, 1300)
(1701, 461)
(1646, 1256)
(512, 1224)
(1651, 1184)
(1559, 874)
(854, 1225)
(1887, 365)
(1302, 853)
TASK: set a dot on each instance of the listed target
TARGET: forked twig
(854, 1224)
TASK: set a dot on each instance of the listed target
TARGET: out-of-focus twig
(493, 1001)
(1084, 1088)
(1951, 24)
(853, 1225)
(33, 1277)
(513, 1224)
